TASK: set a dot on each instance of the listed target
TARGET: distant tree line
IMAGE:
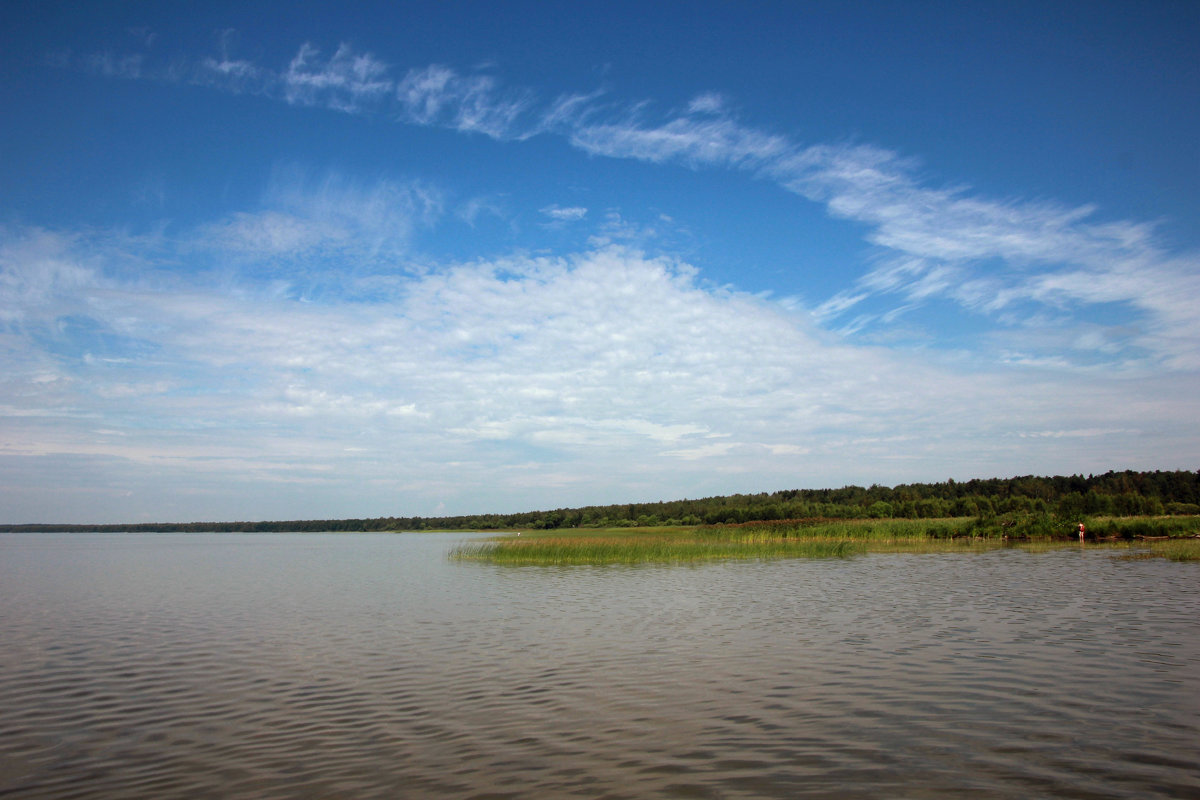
(1122, 494)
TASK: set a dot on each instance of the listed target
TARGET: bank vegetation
(992, 501)
(1173, 538)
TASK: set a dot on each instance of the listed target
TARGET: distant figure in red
(1081, 531)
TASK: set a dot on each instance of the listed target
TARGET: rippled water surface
(345, 665)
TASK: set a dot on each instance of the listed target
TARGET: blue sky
(271, 261)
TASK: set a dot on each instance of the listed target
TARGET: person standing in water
(1081, 531)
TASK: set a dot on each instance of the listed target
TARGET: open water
(348, 665)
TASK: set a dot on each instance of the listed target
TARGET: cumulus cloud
(607, 369)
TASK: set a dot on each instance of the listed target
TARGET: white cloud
(111, 65)
(310, 219)
(274, 233)
(568, 111)
(696, 142)
(703, 451)
(608, 369)
(947, 242)
(476, 207)
(346, 81)
(1075, 434)
(482, 382)
(708, 103)
(991, 257)
(233, 74)
(837, 304)
(37, 268)
(568, 214)
(437, 95)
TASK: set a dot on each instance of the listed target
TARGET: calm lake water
(348, 665)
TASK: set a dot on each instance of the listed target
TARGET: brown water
(344, 665)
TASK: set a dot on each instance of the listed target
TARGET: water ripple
(280, 666)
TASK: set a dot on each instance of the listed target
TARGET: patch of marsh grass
(856, 529)
(641, 549)
(1181, 527)
(1171, 550)
(811, 538)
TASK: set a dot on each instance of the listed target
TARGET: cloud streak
(437, 95)
(323, 235)
(346, 81)
(568, 214)
(1008, 260)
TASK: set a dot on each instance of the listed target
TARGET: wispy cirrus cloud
(708, 103)
(694, 141)
(324, 233)
(112, 65)
(989, 257)
(231, 73)
(438, 95)
(36, 267)
(1010, 260)
(346, 81)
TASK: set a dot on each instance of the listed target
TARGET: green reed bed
(865, 530)
(825, 538)
(1171, 550)
(1023, 527)
(1182, 550)
(1177, 527)
(645, 548)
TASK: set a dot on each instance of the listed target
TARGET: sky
(296, 261)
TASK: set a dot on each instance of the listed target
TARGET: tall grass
(1172, 550)
(819, 538)
(639, 549)
(1144, 527)
(1025, 526)
(855, 529)
(1182, 550)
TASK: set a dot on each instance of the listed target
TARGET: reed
(640, 549)
(1171, 550)
(818, 538)
(1179, 527)
(856, 529)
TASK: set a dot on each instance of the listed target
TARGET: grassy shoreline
(1172, 538)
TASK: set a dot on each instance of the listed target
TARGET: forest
(1113, 494)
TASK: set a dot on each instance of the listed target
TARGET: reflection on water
(301, 665)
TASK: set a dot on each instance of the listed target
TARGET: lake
(369, 665)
